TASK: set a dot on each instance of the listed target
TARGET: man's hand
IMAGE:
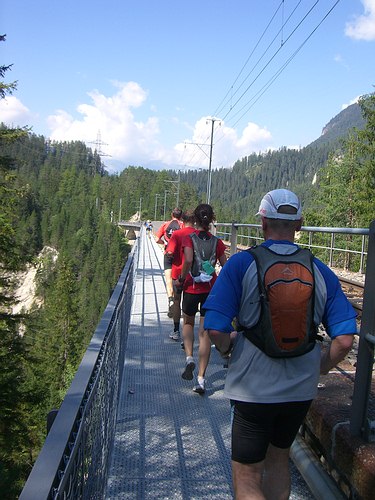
(224, 342)
(178, 284)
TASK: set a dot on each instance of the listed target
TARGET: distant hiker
(175, 251)
(163, 235)
(149, 227)
(279, 294)
(202, 250)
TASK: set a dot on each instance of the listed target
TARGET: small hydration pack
(204, 260)
(287, 291)
(171, 228)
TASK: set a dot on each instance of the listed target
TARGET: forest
(59, 211)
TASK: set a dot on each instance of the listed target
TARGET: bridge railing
(349, 248)
(336, 246)
(73, 462)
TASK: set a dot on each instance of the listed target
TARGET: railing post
(362, 254)
(233, 239)
(331, 250)
(359, 423)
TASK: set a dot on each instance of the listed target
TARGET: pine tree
(346, 187)
(13, 355)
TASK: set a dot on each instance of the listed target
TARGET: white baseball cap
(273, 200)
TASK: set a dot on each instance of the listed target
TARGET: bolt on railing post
(233, 239)
(359, 423)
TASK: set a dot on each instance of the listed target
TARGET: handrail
(236, 238)
(74, 459)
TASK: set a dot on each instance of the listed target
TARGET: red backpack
(286, 284)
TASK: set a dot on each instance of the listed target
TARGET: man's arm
(223, 341)
(336, 352)
(160, 235)
(188, 261)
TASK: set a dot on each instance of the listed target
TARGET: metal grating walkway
(170, 443)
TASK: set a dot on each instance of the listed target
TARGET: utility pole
(177, 184)
(208, 193)
(98, 147)
(119, 213)
(178, 188)
(157, 195)
(165, 201)
(208, 190)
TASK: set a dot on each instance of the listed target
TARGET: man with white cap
(271, 388)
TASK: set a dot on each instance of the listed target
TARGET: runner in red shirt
(202, 251)
(175, 252)
(163, 236)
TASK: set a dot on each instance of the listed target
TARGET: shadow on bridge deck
(169, 441)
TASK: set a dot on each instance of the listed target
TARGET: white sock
(189, 359)
(200, 380)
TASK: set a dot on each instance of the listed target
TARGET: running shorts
(256, 425)
(168, 259)
(193, 302)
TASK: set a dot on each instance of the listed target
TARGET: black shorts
(168, 259)
(256, 425)
(193, 302)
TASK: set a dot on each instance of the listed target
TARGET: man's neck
(269, 235)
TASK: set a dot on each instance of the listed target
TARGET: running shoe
(187, 374)
(175, 335)
(200, 388)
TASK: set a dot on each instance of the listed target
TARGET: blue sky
(147, 76)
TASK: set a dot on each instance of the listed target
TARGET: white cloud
(350, 103)
(138, 142)
(130, 141)
(13, 112)
(227, 145)
(340, 60)
(123, 137)
(363, 27)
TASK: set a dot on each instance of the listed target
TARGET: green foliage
(344, 194)
(14, 358)
(58, 196)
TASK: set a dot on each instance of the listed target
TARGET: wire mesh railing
(74, 459)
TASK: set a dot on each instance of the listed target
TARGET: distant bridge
(131, 229)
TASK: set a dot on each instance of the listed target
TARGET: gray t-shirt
(255, 377)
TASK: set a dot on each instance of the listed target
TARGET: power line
(219, 108)
(265, 87)
(272, 58)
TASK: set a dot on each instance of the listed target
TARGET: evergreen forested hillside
(59, 195)
(236, 192)
(339, 126)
